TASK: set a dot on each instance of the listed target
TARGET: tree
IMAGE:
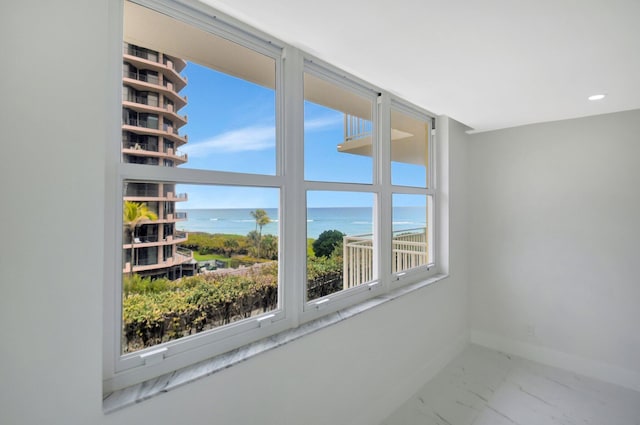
(230, 246)
(326, 242)
(253, 238)
(135, 214)
(262, 219)
(269, 247)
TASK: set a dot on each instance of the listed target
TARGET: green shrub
(326, 242)
(207, 243)
(318, 267)
(143, 285)
(193, 304)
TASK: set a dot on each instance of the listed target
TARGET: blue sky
(231, 127)
(231, 123)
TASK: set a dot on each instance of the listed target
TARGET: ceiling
(489, 64)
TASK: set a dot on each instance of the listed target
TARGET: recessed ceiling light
(597, 97)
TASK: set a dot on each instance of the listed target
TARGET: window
(339, 176)
(340, 230)
(204, 263)
(253, 193)
(338, 129)
(412, 199)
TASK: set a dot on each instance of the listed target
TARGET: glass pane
(409, 150)
(340, 251)
(337, 133)
(209, 103)
(195, 257)
(411, 232)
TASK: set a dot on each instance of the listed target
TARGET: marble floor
(485, 387)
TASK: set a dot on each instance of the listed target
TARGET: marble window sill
(120, 399)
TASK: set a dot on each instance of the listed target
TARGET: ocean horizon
(348, 220)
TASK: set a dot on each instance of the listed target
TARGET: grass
(208, 257)
(198, 240)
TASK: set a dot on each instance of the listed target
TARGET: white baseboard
(403, 389)
(580, 365)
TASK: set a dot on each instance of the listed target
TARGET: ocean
(351, 221)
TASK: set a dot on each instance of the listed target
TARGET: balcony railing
(175, 236)
(356, 127)
(142, 192)
(144, 146)
(155, 103)
(143, 101)
(180, 154)
(180, 215)
(160, 80)
(139, 52)
(141, 123)
(409, 250)
(147, 239)
(146, 262)
(146, 78)
(357, 260)
(140, 239)
(183, 254)
(171, 129)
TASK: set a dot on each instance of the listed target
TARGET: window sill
(120, 399)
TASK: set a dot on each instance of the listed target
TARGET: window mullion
(293, 197)
(385, 193)
(195, 176)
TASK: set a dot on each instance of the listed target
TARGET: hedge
(194, 304)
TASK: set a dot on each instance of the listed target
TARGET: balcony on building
(146, 126)
(148, 59)
(147, 102)
(152, 266)
(143, 153)
(143, 99)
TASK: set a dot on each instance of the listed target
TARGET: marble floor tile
(486, 387)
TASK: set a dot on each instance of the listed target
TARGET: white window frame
(341, 299)
(121, 371)
(428, 270)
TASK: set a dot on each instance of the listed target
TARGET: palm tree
(262, 219)
(269, 247)
(134, 214)
(230, 246)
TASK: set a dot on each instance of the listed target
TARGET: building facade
(150, 136)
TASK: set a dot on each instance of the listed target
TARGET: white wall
(555, 243)
(51, 266)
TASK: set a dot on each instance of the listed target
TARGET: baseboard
(403, 389)
(580, 365)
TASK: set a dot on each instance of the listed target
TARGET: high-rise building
(150, 135)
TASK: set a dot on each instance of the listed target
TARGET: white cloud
(241, 140)
(253, 138)
(323, 122)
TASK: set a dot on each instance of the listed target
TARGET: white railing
(357, 259)
(356, 127)
(409, 251)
